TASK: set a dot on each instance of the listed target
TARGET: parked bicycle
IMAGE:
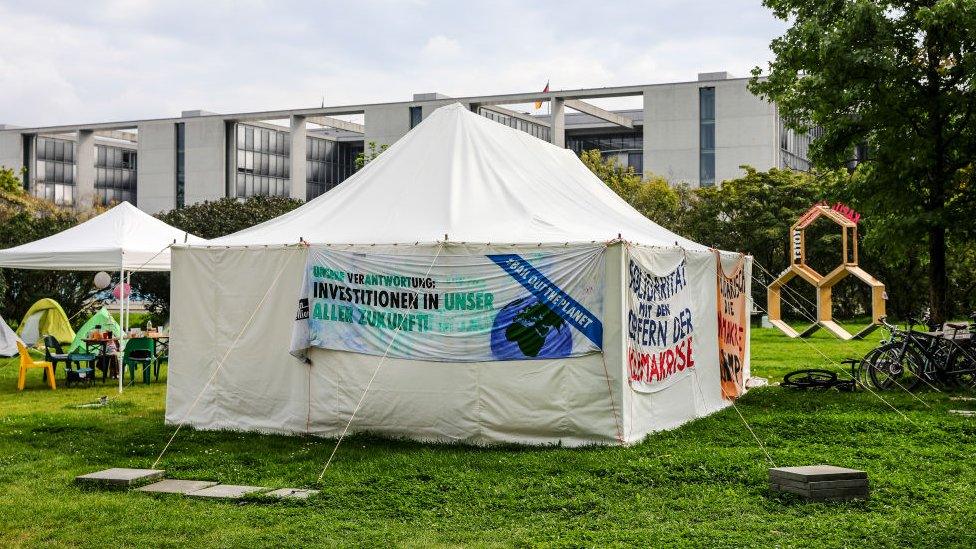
(942, 355)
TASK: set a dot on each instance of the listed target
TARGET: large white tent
(456, 187)
(123, 238)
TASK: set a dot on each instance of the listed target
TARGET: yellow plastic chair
(26, 363)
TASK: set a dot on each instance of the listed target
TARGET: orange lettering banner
(731, 327)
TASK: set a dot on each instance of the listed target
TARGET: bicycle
(912, 357)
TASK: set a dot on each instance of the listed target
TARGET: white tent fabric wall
(469, 178)
(8, 340)
(263, 388)
(699, 393)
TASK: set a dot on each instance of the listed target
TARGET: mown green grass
(701, 485)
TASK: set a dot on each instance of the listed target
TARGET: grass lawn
(701, 485)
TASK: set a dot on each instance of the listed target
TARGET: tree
(9, 182)
(370, 154)
(897, 77)
(652, 197)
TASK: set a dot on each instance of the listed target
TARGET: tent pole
(122, 297)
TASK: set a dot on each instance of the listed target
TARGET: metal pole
(121, 324)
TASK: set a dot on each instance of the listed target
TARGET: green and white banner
(456, 303)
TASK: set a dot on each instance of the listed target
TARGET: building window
(626, 147)
(328, 163)
(180, 164)
(263, 168)
(55, 171)
(416, 115)
(536, 130)
(115, 174)
(795, 146)
(706, 132)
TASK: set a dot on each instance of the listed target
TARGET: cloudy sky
(76, 62)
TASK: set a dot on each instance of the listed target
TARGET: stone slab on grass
(820, 482)
(815, 473)
(120, 477)
(176, 486)
(227, 491)
(291, 493)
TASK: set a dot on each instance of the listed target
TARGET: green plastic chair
(140, 351)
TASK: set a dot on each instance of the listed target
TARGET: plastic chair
(57, 356)
(140, 351)
(26, 363)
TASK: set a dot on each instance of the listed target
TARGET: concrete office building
(696, 132)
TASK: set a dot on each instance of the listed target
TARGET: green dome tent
(101, 318)
(45, 317)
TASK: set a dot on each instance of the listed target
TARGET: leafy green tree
(898, 77)
(211, 219)
(370, 154)
(753, 213)
(652, 197)
(9, 182)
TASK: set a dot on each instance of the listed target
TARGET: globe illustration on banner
(526, 328)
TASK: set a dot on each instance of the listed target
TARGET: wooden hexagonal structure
(824, 283)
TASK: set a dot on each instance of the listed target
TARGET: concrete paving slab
(121, 477)
(291, 493)
(176, 486)
(810, 473)
(227, 491)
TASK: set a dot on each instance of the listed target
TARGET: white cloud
(441, 46)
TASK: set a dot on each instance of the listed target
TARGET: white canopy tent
(123, 239)
(458, 185)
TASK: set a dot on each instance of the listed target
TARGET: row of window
(115, 174)
(49, 171)
(614, 142)
(263, 164)
(265, 140)
(531, 128)
(60, 194)
(56, 172)
(115, 157)
(57, 150)
(706, 136)
(795, 146)
(256, 185)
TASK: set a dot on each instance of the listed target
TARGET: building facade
(698, 133)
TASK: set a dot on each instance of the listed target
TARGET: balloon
(102, 280)
(117, 292)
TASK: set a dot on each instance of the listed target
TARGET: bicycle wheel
(893, 365)
(809, 379)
